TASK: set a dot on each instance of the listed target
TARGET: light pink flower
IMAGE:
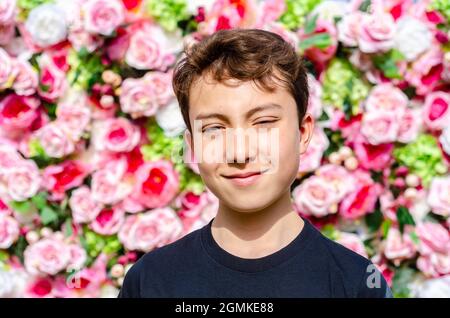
(376, 33)
(434, 265)
(410, 125)
(315, 196)
(54, 140)
(26, 80)
(436, 110)
(9, 231)
(386, 97)
(18, 112)
(157, 183)
(103, 16)
(23, 180)
(399, 247)
(108, 185)
(115, 134)
(315, 95)
(46, 256)
(150, 230)
(149, 49)
(338, 177)
(439, 196)
(7, 33)
(78, 257)
(84, 208)
(74, 116)
(348, 28)
(380, 127)
(108, 221)
(6, 70)
(7, 11)
(353, 242)
(434, 238)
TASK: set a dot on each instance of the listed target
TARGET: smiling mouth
(245, 175)
(245, 179)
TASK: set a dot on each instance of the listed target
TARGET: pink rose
(26, 80)
(157, 183)
(115, 134)
(439, 196)
(59, 178)
(103, 16)
(434, 238)
(410, 125)
(434, 265)
(311, 159)
(18, 112)
(362, 200)
(315, 196)
(386, 97)
(23, 180)
(143, 97)
(150, 230)
(349, 128)
(46, 256)
(348, 28)
(338, 177)
(54, 141)
(108, 185)
(399, 247)
(78, 257)
(380, 127)
(426, 71)
(149, 49)
(315, 95)
(436, 110)
(108, 221)
(74, 116)
(6, 70)
(9, 231)
(375, 157)
(7, 11)
(353, 242)
(53, 83)
(84, 208)
(376, 32)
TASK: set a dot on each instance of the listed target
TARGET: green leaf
(365, 5)
(385, 226)
(321, 41)
(48, 215)
(400, 282)
(404, 217)
(21, 206)
(311, 23)
(40, 200)
(68, 226)
(374, 219)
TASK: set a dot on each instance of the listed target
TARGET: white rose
(412, 37)
(47, 25)
(433, 288)
(170, 119)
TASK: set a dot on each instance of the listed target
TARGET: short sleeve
(373, 284)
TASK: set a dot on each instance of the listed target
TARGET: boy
(246, 83)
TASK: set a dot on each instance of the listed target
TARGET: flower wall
(91, 172)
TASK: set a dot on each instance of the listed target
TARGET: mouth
(246, 178)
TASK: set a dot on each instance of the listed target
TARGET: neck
(257, 234)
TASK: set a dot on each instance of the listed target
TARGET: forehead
(232, 96)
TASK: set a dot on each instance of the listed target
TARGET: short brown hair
(243, 54)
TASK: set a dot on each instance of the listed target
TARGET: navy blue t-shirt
(309, 266)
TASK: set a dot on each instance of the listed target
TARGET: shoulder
(155, 263)
(360, 276)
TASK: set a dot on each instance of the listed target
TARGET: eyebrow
(252, 111)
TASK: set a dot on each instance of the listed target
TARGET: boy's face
(231, 135)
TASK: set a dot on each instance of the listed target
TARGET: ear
(188, 139)
(306, 132)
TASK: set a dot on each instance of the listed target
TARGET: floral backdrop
(92, 168)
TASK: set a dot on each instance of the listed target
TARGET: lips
(245, 178)
(244, 174)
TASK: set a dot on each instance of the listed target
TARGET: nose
(241, 146)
